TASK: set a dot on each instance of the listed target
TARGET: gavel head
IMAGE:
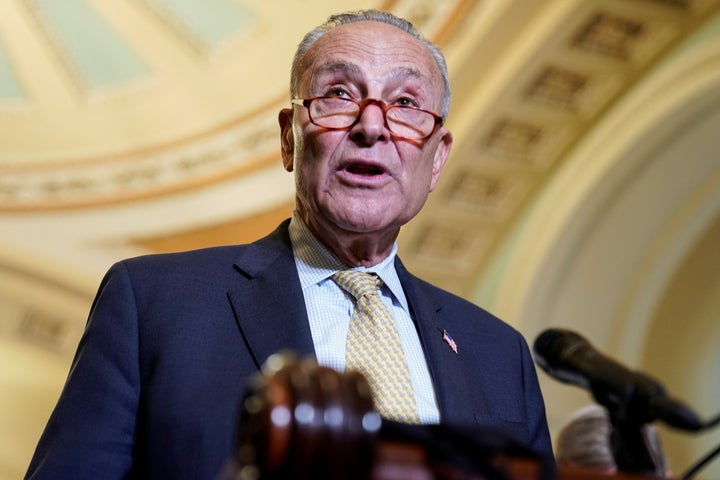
(304, 421)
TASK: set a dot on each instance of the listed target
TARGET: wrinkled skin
(355, 188)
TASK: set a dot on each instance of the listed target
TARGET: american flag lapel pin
(449, 340)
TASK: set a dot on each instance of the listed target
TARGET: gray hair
(373, 16)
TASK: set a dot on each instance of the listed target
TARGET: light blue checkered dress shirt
(329, 310)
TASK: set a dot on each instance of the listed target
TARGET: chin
(365, 223)
(365, 216)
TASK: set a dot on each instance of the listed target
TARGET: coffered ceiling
(150, 126)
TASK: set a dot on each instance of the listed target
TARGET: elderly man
(155, 387)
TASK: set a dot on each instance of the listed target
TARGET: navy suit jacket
(155, 386)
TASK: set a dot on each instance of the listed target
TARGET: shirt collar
(316, 263)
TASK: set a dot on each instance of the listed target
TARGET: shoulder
(209, 260)
(186, 261)
(453, 308)
(442, 296)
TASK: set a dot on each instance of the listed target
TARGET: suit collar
(267, 299)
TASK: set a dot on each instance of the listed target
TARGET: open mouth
(365, 170)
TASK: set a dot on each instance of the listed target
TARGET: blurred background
(583, 190)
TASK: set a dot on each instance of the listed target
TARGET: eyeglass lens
(338, 113)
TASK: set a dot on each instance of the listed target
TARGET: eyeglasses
(404, 122)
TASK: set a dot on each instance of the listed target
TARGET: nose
(371, 126)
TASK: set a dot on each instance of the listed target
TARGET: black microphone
(570, 358)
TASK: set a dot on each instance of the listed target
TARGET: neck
(354, 249)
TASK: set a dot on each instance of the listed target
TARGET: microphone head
(570, 358)
(553, 346)
(552, 351)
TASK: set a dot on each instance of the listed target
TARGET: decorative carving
(220, 154)
(610, 35)
(442, 242)
(559, 87)
(491, 195)
(45, 330)
(514, 138)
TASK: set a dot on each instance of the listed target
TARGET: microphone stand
(628, 412)
(630, 449)
(632, 399)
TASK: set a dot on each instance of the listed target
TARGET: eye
(337, 92)
(405, 102)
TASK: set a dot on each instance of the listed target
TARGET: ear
(287, 140)
(442, 151)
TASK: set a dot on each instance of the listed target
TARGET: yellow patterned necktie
(374, 348)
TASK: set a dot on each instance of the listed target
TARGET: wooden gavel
(302, 421)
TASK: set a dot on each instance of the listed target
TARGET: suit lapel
(446, 367)
(270, 311)
(268, 302)
(269, 307)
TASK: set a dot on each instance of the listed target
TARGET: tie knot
(357, 283)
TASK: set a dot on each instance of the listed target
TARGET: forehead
(374, 49)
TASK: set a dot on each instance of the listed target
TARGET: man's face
(363, 180)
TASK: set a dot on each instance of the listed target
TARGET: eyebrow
(333, 67)
(353, 69)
